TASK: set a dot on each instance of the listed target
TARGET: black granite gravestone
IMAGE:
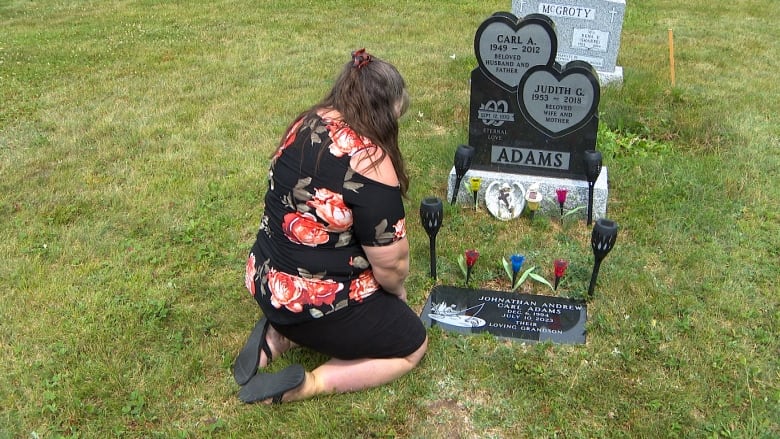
(527, 114)
(508, 315)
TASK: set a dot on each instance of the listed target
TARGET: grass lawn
(134, 142)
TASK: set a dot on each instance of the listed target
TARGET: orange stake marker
(671, 56)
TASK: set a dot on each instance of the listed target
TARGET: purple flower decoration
(561, 194)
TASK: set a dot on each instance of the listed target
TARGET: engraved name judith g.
(566, 97)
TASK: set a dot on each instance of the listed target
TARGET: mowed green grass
(134, 143)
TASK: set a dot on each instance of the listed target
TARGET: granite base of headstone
(613, 78)
(515, 316)
(577, 195)
(588, 30)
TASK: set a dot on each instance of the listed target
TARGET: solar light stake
(463, 156)
(602, 240)
(592, 171)
(431, 214)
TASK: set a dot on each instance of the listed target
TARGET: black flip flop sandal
(272, 385)
(248, 358)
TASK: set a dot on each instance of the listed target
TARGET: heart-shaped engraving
(559, 103)
(506, 48)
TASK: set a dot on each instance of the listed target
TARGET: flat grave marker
(522, 317)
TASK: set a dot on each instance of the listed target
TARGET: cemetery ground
(134, 142)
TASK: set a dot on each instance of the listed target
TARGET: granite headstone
(530, 119)
(527, 114)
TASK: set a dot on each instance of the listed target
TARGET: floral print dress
(308, 261)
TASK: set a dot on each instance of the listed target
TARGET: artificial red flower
(560, 267)
(560, 270)
(471, 258)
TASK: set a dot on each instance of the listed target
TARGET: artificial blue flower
(517, 262)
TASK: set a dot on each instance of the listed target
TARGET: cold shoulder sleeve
(377, 210)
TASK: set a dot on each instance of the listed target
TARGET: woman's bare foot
(278, 344)
(306, 390)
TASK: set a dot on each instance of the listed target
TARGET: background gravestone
(588, 30)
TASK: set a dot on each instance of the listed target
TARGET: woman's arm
(390, 264)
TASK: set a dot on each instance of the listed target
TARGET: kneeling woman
(331, 256)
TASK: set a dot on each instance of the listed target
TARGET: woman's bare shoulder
(372, 163)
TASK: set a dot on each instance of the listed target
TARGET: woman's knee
(418, 355)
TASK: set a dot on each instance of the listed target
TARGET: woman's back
(318, 214)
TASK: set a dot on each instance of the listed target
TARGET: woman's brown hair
(367, 93)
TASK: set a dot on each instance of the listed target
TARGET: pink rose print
(251, 271)
(331, 208)
(322, 292)
(345, 140)
(293, 292)
(364, 286)
(400, 228)
(286, 290)
(303, 228)
(289, 139)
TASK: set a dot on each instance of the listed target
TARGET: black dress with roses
(307, 261)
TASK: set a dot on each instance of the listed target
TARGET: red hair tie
(360, 58)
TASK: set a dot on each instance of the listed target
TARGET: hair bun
(360, 58)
